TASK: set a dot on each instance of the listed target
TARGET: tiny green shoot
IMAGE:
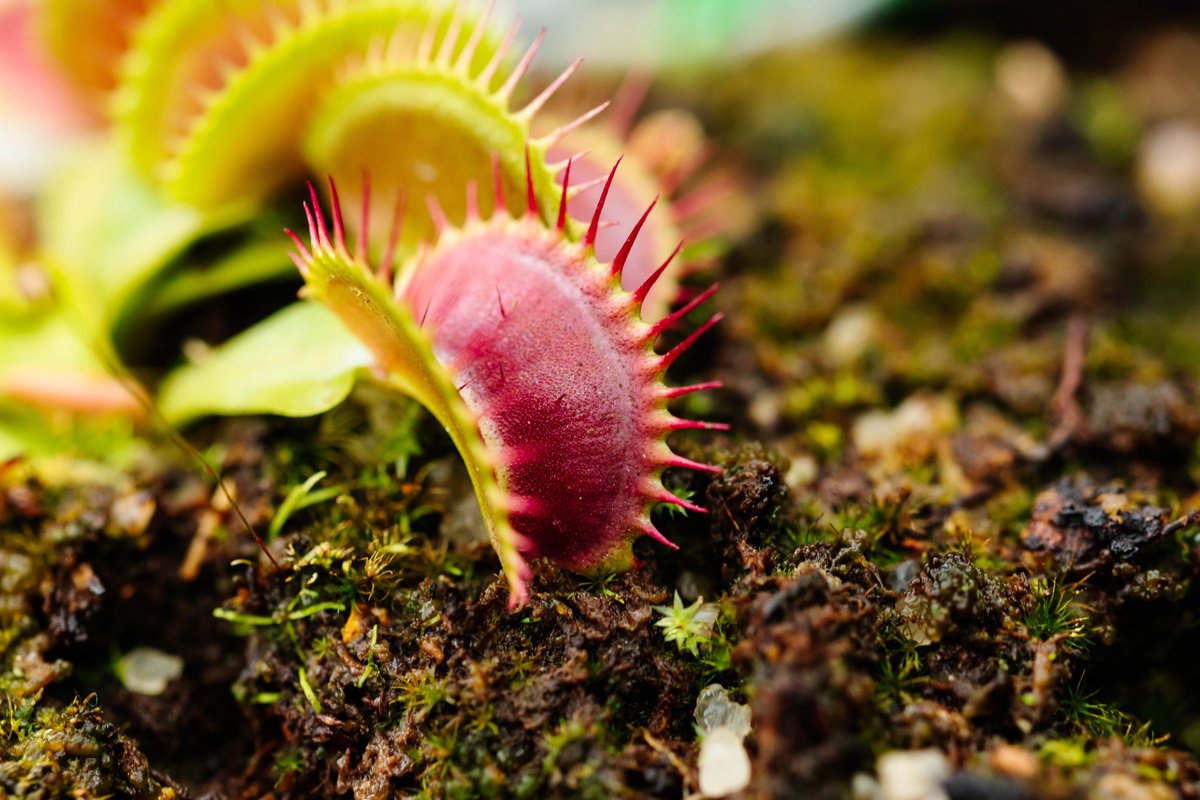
(688, 627)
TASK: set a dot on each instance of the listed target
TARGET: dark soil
(959, 509)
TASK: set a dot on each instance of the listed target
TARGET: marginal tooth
(586, 186)
(686, 463)
(167, 171)
(175, 143)
(228, 70)
(310, 12)
(345, 71)
(510, 85)
(339, 227)
(450, 40)
(301, 263)
(425, 47)
(556, 135)
(376, 49)
(531, 204)
(472, 201)
(251, 47)
(484, 80)
(618, 263)
(671, 392)
(628, 99)
(700, 230)
(205, 99)
(678, 424)
(663, 495)
(278, 25)
(533, 106)
(590, 238)
(675, 352)
(638, 296)
(645, 526)
(463, 64)
(702, 198)
(561, 223)
(437, 214)
(674, 317)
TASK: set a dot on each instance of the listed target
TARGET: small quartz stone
(131, 513)
(908, 435)
(913, 775)
(864, 787)
(1031, 79)
(147, 671)
(850, 335)
(724, 763)
(715, 710)
(1169, 166)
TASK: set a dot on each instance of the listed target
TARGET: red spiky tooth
(669, 358)
(533, 106)
(364, 236)
(387, 265)
(531, 205)
(686, 463)
(663, 495)
(639, 295)
(436, 213)
(677, 315)
(561, 422)
(618, 262)
(695, 425)
(301, 250)
(679, 391)
(646, 527)
(319, 221)
(593, 228)
(339, 228)
(663, 152)
(561, 223)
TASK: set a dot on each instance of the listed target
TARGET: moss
(1009, 560)
(73, 752)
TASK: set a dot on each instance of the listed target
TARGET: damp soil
(958, 510)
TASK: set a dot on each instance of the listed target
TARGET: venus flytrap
(535, 361)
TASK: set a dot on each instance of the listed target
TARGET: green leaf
(299, 362)
(47, 340)
(108, 234)
(259, 262)
(296, 499)
(306, 687)
(42, 354)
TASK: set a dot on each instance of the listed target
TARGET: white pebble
(715, 710)
(1169, 165)
(1031, 78)
(724, 763)
(148, 671)
(913, 775)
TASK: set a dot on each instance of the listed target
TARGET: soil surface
(958, 512)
